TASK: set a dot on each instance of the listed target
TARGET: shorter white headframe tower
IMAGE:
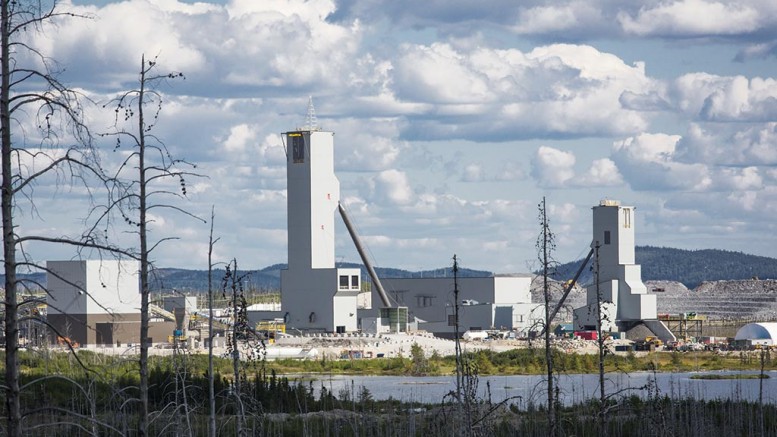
(315, 295)
(625, 300)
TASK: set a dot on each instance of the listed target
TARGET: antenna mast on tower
(310, 121)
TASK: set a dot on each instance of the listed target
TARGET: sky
(452, 120)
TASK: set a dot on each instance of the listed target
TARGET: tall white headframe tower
(313, 193)
(625, 297)
(315, 295)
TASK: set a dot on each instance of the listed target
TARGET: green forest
(689, 267)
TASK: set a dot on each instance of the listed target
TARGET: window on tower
(297, 148)
(606, 237)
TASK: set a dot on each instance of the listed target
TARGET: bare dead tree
(43, 138)
(242, 336)
(456, 333)
(211, 389)
(545, 246)
(600, 319)
(153, 163)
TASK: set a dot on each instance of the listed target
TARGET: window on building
(626, 217)
(343, 282)
(424, 301)
(297, 148)
(451, 319)
(354, 282)
(606, 237)
(399, 296)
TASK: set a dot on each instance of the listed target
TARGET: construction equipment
(62, 341)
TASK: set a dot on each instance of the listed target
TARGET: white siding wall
(111, 287)
(324, 196)
(512, 289)
(345, 312)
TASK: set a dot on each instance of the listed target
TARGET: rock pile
(742, 299)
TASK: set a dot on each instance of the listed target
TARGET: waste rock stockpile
(740, 299)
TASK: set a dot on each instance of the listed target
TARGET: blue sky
(452, 118)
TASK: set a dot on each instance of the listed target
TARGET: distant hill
(269, 278)
(689, 267)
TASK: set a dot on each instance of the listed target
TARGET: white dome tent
(758, 334)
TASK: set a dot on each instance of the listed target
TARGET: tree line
(689, 267)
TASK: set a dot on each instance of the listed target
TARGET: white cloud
(686, 18)
(239, 138)
(509, 93)
(552, 168)
(717, 98)
(547, 18)
(736, 179)
(392, 187)
(439, 74)
(511, 171)
(472, 173)
(730, 145)
(603, 172)
(647, 162)
(366, 147)
(563, 213)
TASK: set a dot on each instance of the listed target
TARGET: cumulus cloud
(694, 18)
(647, 163)
(364, 147)
(718, 98)
(473, 173)
(511, 171)
(501, 94)
(754, 145)
(564, 212)
(392, 187)
(239, 138)
(739, 179)
(552, 168)
(757, 51)
(603, 172)
(227, 47)
(574, 19)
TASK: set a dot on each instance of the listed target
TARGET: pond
(574, 388)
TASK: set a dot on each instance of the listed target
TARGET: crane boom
(568, 288)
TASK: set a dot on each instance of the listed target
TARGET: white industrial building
(318, 296)
(625, 300)
(501, 302)
(757, 334)
(97, 302)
